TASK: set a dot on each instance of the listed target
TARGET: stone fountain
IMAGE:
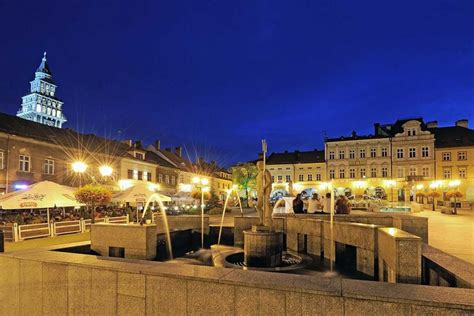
(263, 246)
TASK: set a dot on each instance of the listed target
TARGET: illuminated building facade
(42, 105)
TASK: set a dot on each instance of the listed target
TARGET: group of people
(316, 204)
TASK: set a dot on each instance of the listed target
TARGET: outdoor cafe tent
(45, 194)
(139, 193)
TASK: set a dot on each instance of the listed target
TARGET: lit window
(288, 178)
(400, 172)
(167, 179)
(48, 166)
(173, 180)
(447, 173)
(373, 172)
(412, 152)
(352, 173)
(373, 152)
(160, 178)
(342, 173)
(425, 171)
(446, 156)
(425, 152)
(400, 153)
(25, 163)
(280, 178)
(462, 155)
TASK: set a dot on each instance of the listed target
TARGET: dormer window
(139, 156)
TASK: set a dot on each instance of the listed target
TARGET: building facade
(297, 171)
(41, 104)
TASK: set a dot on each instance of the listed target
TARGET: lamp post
(79, 167)
(390, 184)
(201, 184)
(454, 185)
(106, 171)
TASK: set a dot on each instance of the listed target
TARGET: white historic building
(41, 105)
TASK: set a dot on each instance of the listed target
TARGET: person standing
(327, 203)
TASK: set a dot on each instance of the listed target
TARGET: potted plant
(93, 195)
(433, 195)
(454, 195)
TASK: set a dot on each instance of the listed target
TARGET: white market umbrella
(139, 193)
(45, 194)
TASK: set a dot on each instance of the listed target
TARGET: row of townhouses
(399, 161)
(34, 147)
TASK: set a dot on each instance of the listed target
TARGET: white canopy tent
(139, 193)
(45, 194)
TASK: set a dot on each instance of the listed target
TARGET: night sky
(217, 76)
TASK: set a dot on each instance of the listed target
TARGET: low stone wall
(442, 269)
(182, 222)
(135, 241)
(415, 225)
(399, 256)
(56, 283)
(361, 236)
(300, 230)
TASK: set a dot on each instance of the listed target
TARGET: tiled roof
(354, 137)
(63, 137)
(296, 157)
(453, 136)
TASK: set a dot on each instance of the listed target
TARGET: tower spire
(43, 67)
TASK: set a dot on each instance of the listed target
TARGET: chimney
(157, 144)
(137, 144)
(179, 151)
(128, 142)
(432, 124)
(462, 123)
(354, 134)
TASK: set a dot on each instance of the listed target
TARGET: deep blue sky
(220, 75)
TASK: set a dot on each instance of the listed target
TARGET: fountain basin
(263, 247)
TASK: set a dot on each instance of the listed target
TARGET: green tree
(245, 176)
(93, 195)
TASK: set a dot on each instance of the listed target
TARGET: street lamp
(79, 167)
(454, 185)
(390, 184)
(201, 183)
(106, 171)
